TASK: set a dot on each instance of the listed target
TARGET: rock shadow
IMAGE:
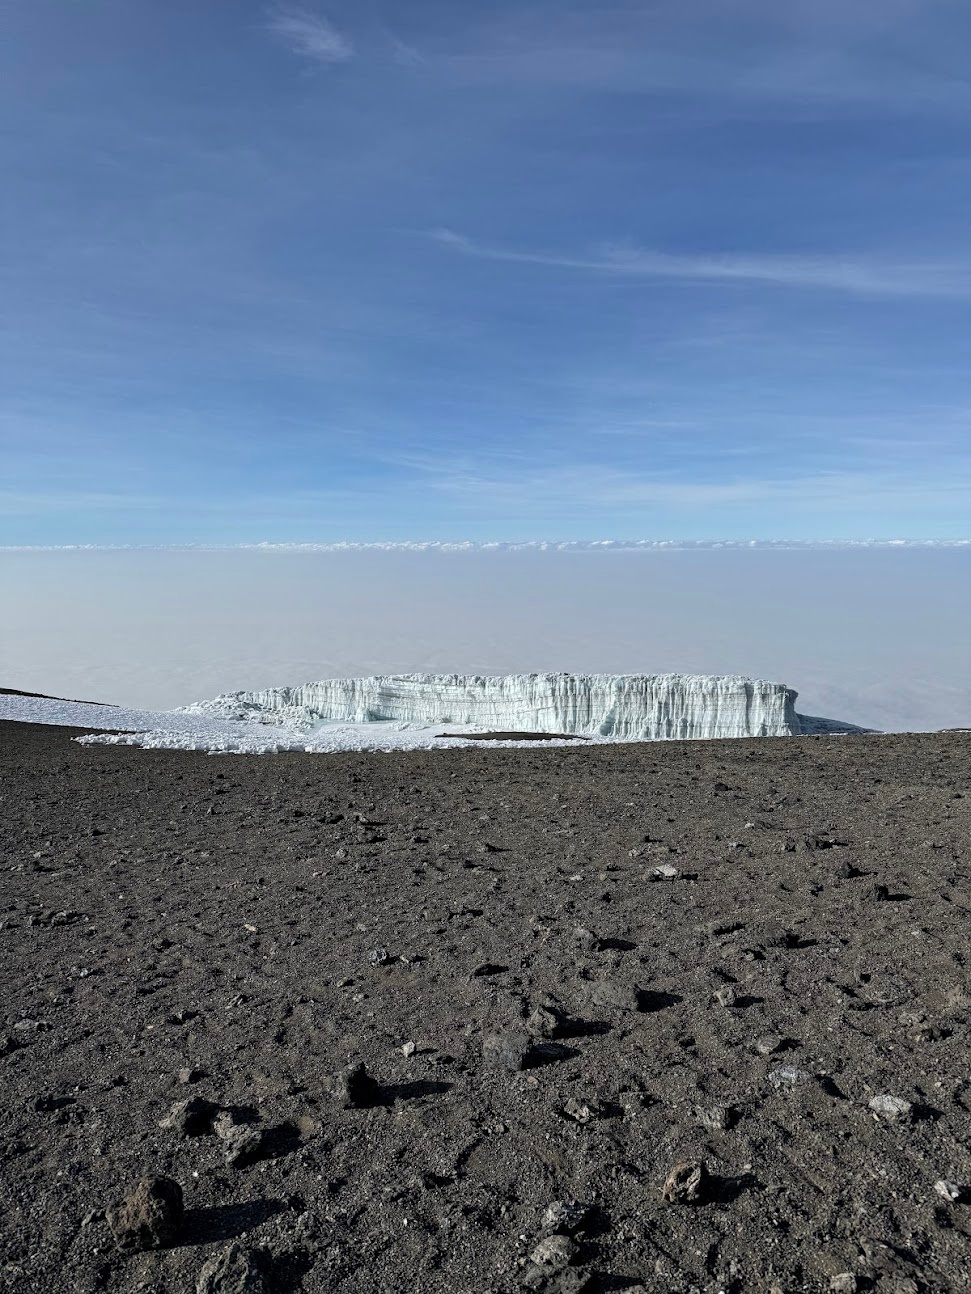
(225, 1222)
(549, 1053)
(574, 1027)
(414, 1091)
(649, 1000)
(726, 1190)
(285, 1272)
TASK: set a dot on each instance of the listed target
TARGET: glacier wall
(648, 707)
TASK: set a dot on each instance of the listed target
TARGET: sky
(463, 270)
(874, 637)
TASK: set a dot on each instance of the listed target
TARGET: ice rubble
(175, 730)
(645, 707)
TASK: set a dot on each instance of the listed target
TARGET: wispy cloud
(852, 274)
(309, 34)
(585, 488)
(813, 56)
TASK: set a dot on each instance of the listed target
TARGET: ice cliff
(649, 707)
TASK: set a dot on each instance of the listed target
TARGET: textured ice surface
(646, 707)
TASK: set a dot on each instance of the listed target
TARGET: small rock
(408, 1049)
(843, 1283)
(564, 1217)
(191, 1074)
(554, 1252)
(354, 1087)
(192, 1118)
(949, 1190)
(243, 1143)
(727, 996)
(878, 893)
(224, 1123)
(571, 1280)
(379, 956)
(506, 1050)
(768, 1044)
(149, 1217)
(234, 1271)
(182, 1016)
(581, 1111)
(612, 995)
(587, 940)
(716, 1118)
(720, 926)
(893, 1108)
(769, 934)
(546, 1022)
(789, 1076)
(665, 872)
(685, 1183)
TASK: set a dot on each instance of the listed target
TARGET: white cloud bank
(870, 635)
(506, 546)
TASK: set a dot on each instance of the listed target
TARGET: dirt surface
(234, 932)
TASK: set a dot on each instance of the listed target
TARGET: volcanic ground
(688, 1016)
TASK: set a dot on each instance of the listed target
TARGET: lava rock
(716, 1118)
(581, 1111)
(685, 1183)
(149, 1217)
(546, 1021)
(507, 1050)
(564, 1217)
(769, 934)
(354, 1087)
(843, 1283)
(554, 1252)
(191, 1118)
(588, 941)
(611, 995)
(233, 1271)
(768, 1044)
(789, 1076)
(892, 1108)
(243, 1144)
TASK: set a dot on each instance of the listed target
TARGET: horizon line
(487, 545)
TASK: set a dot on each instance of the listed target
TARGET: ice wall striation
(648, 707)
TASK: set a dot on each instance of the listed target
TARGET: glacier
(638, 707)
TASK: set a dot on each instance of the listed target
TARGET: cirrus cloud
(309, 34)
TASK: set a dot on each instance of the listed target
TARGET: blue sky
(447, 270)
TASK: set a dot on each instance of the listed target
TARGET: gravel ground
(708, 1000)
